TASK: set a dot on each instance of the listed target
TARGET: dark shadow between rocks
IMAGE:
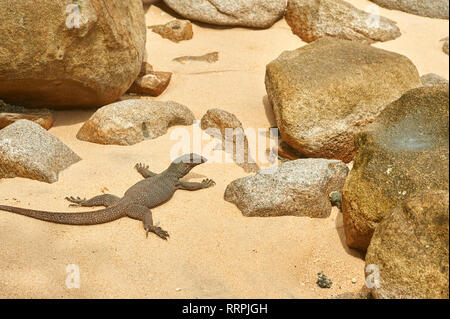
(71, 117)
(269, 111)
(341, 233)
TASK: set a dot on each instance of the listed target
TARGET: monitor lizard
(137, 202)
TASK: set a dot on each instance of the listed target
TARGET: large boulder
(295, 188)
(314, 19)
(27, 150)
(247, 13)
(60, 55)
(324, 93)
(426, 8)
(404, 151)
(410, 249)
(132, 121)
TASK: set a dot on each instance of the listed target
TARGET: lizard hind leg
(105, 200)
(144, 214)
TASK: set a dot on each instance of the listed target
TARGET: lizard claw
(157, 231)
(75, 200)
(208, 183)
(140, 166)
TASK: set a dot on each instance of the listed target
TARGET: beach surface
(213, 251)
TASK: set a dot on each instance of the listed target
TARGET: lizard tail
(85, 218)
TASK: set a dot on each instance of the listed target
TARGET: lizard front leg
(144, 214)
(101, 200)
(206, 183)
(144, 171)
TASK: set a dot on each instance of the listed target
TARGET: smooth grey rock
(247, 13)
(296, 188)
(426, 8)
(27, 150)
(132, 121)
(314, 19)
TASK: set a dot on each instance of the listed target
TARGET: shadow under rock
(71, 117)
(269, 111)
(341, 233)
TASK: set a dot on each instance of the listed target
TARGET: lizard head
(185, 163)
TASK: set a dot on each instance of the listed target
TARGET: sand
(213, 252)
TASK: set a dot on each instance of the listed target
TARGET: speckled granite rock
(69, 54)
(297, 188)
(132, 121)
(404, 151)
(410, 248)
(247, 13)
(426, 8)
(324, 93)
(176, 30)
(314, 19)
(27, 150)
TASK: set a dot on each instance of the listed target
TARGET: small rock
(427, 8)
(27, 150)
(314, 19)
(248, 13)
(218, 123)
(153, 83)
(12, 113)
(176, 30)
(432, 79)
(354, 281)
(178, 289)
(209, 58)
(336, 199)
(410, 247)
(132, 121)
(323, 281)
(146, 68)
(295, 188)
(445, 45)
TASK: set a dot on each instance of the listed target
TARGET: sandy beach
(213, 251)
